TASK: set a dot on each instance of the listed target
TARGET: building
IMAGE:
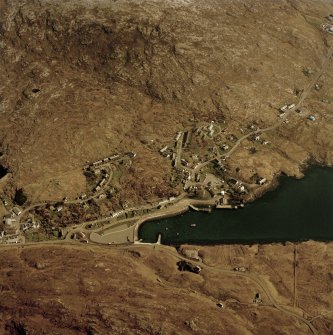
(225, 146)
(291, 106)
(131, 154)
(261, 181)
(17, 211)
(163, 149)
(233, 182)
(102, 196)
(257, 299)
(13, 240)
(59, 208)
(9, 221)
(97, 163)
(191, 253)
(283, 108)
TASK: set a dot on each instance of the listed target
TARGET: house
(97, 163)
(58, 208)
(97, 188)
(261, 181)
(233, 182)
(163, 149)
(283, 108)
(13, 240)
(131, 154)
(191, 253)
(97, 172)
(17, 211)
(8, 220)
(102, 196)
(257, 298)
(225, 147)
(184, 162)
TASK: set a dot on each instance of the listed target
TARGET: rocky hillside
(83, 79)
(77, 290)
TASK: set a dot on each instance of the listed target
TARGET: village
(199, 157)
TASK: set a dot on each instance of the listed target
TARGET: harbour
(298, 210)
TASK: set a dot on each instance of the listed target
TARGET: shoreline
(174, 211)
(183, 206)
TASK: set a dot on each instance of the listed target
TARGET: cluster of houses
(101, 183)
(29, 224)
(12, 229)
(257, 138)
(109, 159)
(99, 168)
(208, 131)
(168, 152)
(105, 160)
(328, 27)
(285, 108)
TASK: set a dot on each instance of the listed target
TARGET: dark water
(298, 210)
(3, 170)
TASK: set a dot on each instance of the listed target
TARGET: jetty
(228, 206)
(201, 209)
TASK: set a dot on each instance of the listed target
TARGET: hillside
(74, 290)
(81, 80)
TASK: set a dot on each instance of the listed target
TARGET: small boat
(193, 225)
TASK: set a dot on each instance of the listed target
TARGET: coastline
(183, 206)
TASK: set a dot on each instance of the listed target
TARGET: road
(70, 202)
(179, 146)
(303, 96)
(252, 277)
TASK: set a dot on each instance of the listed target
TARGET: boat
(193, 225)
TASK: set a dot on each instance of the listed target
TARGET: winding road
(303, 96)
(252, 277)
